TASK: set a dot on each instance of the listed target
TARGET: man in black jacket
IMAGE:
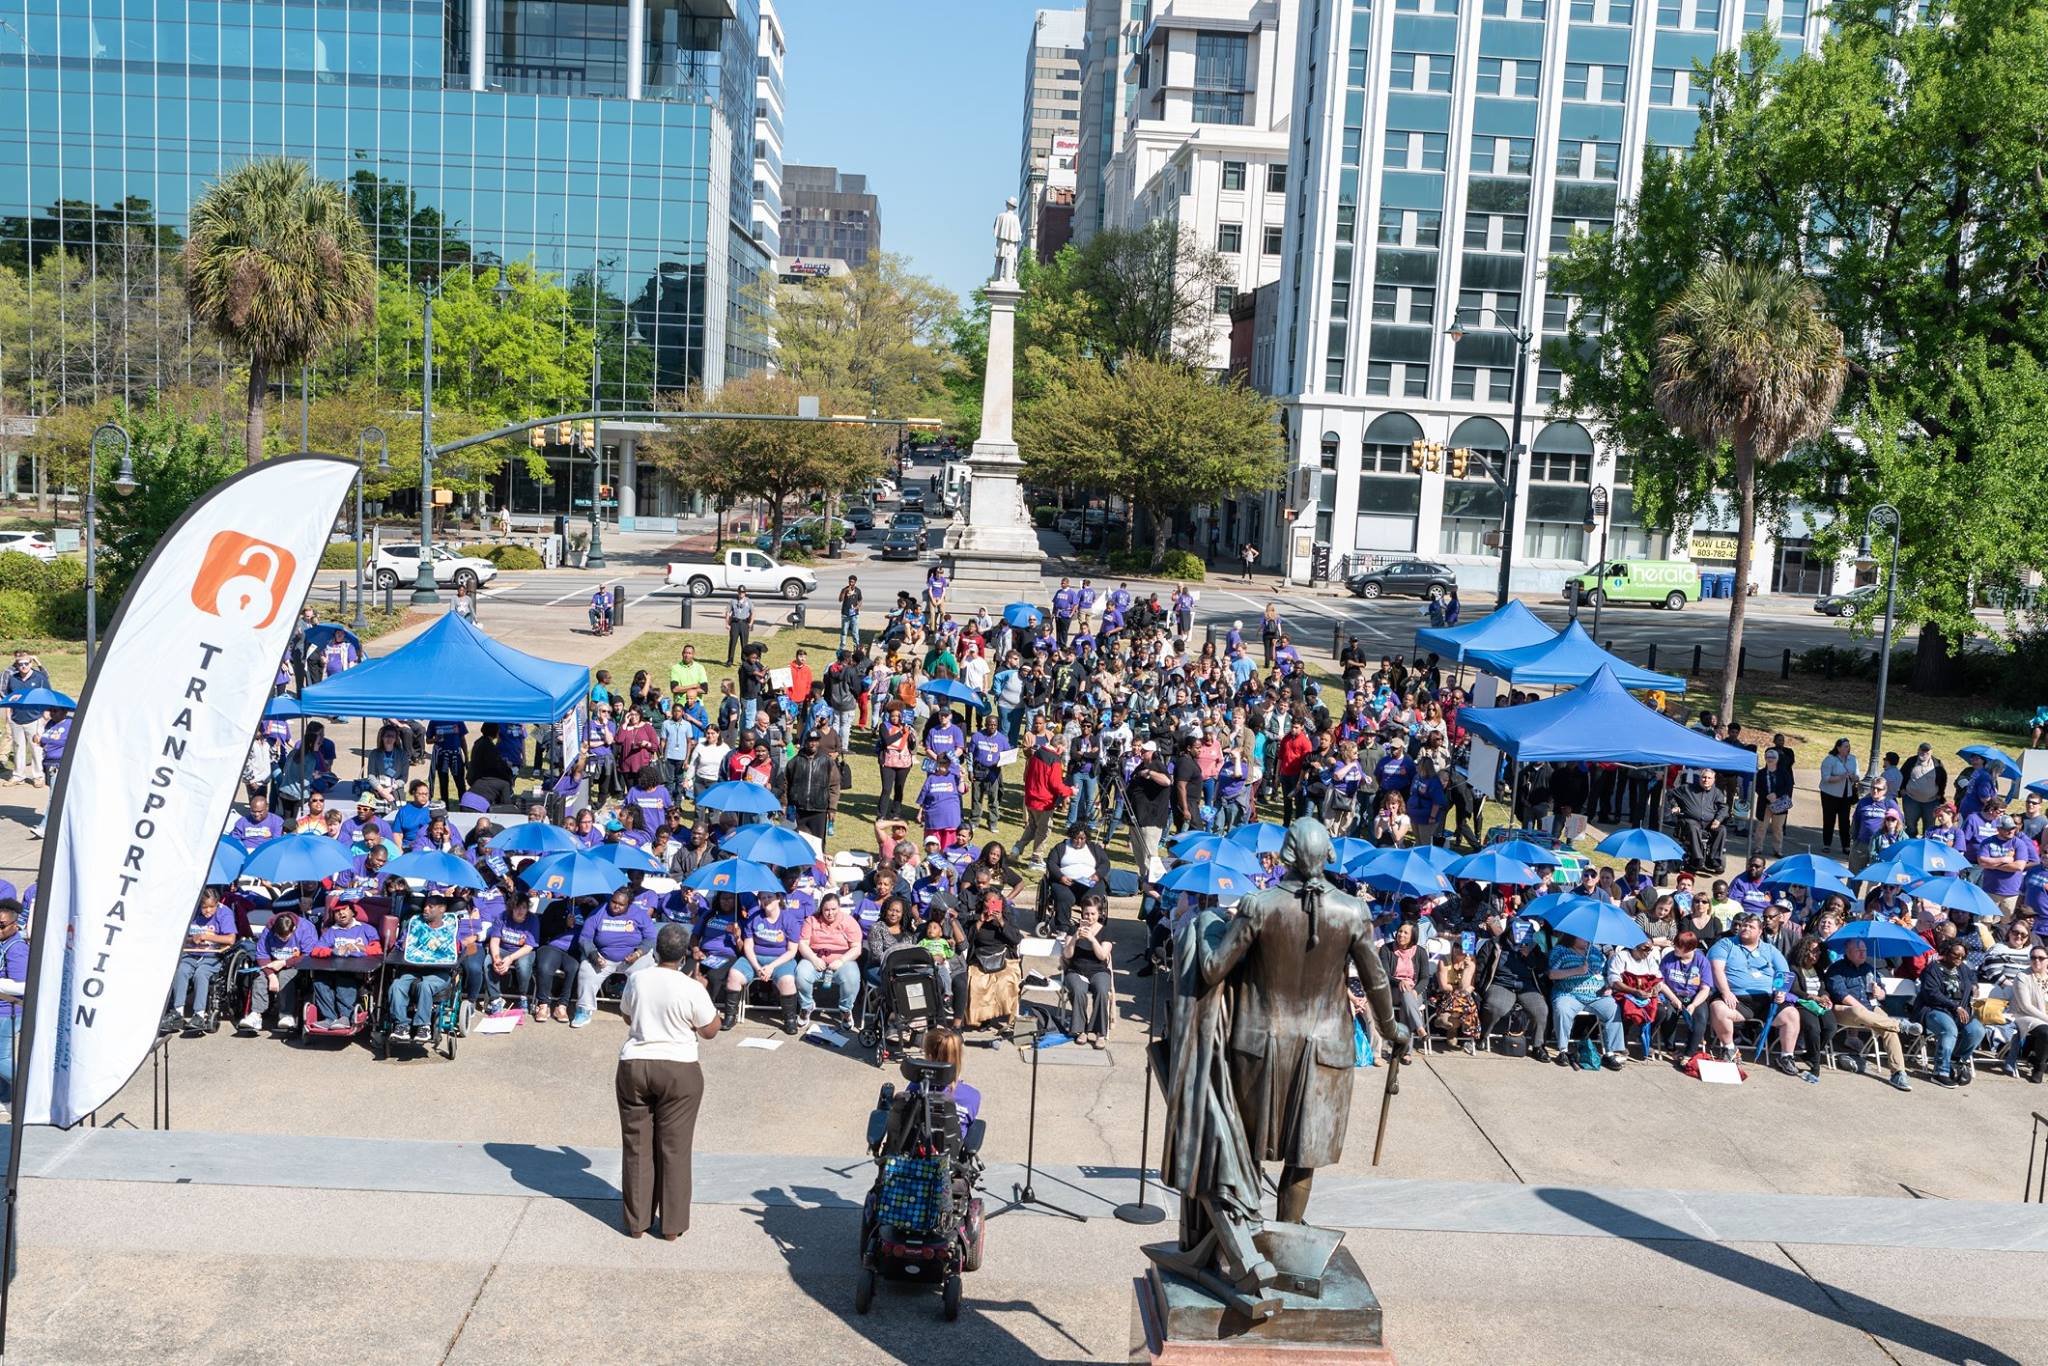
(1510, 975)
(1150, 791)
(1570, 785)
(810, 785)
(1701, 811)
(1948, 989)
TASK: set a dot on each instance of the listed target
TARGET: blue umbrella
(535, 837)
(770, 844)
(953, 690)
(1436, 856)
(228, 858)
(321, 632)
(297, 858)
(283, 707)
(1529, 852)
(1261, 837)
(1952, 893)
(1215, 849)
(1886, 939)
(1806, 870)
(1404, 872)
(1021, 615)
(1648, 845)
(1828, 886)
(1598, 922)
(1554, 906)
(1894, 872)
(1346, 850)
(739, 795)
(432, 865)
(732, 875)
(627, 858)
(1492, 866)
(1932, 855)
(1997, 758)
(1208, 878)
(576, 874)
(2039, 787)
(43, 697)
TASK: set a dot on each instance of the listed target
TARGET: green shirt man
(687, 677)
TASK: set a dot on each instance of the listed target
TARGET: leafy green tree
(1901, 171)
(1163, 436)
(774, 461)
(1151, 292)
(877, 337)
(177, 461)
(279, 266)
(1746, 360)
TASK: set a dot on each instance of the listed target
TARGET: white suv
(31, 543)
(399, 565)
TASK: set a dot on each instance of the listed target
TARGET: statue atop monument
(1009, 232)
(1261, 1071)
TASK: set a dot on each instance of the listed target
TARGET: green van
(1673, 583)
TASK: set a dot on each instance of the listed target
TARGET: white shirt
(708, 761)
(1078, 864)
(664, 1009)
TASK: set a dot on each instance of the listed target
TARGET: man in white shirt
(660, 1086)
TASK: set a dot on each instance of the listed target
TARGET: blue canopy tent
(1568, 658)
(1510, 628)
(454, 672)
(1598, 721)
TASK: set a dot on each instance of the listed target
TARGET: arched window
(1389, 497)
(1560, 493)
(1473, 505)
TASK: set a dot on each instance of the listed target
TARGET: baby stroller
(915, 995)
(922, 1221)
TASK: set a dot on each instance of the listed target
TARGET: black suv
(1412, 578)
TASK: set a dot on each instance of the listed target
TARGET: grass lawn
(1815, 712)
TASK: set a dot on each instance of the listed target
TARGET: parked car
(901, 543)
(753, 570)
(1409, 578)
(399, 563)
(1672, 583)
(804, 531)
(31, 543)
(1845, 604)
(1068, 524)
(882, 491)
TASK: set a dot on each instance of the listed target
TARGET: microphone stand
(1026, 1194)
(1142, 1211)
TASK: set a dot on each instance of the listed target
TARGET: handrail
(2035, 1192)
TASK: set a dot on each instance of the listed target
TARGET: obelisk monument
(996, 548)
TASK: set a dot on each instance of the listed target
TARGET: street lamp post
(1884, 514)
(363, 438)
(1523, 338)
(594, 559)
(1600, 594)
(124, 482)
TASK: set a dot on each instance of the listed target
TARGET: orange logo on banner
(240, 577)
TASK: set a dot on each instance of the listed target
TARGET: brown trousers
(658, 1102)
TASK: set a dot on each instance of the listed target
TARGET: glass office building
(609, 143)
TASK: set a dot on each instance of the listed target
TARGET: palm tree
(279, 265)
(1746, 360)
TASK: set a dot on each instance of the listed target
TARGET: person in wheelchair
(335, 994)
(1074, 871)
(601, 611)
(208, 937)
(1084, 960)
(428, 955)
(287, 937)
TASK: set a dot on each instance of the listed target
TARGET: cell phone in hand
(1468, 941)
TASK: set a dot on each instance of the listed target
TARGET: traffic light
(1461, 460)
(1418, 456)
(590, 436)
(565, 433)
(537, 437)
(1436, 456)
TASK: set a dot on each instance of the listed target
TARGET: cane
(1387, 1102)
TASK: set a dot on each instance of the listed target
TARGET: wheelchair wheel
(465, 1016)
(864, 1290)
(448, 1042)
(950, 1306)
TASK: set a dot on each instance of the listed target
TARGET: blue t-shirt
(1751, 972)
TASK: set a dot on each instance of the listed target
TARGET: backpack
(1586, 1054)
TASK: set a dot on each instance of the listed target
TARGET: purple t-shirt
(772, 934)
(939, 800)
(220, 921)
(252, 833)
(13, 967)
(515, 934)
(270, 946)
(1998, 882)
(356, 936)
(944, 739)
(615, 936)
(653, 803)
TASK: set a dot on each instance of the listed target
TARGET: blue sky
(924, 97)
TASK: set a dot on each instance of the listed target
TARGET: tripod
(1142, 1211)
(1026, 1194)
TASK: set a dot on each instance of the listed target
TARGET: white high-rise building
(1442, 151)
(1052, 112)
(769, 106)
(1113, 30)
(1206, 137)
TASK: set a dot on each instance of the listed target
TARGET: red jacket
(1045, 782)
(1294, 748)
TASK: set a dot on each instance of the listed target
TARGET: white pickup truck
(753, 570)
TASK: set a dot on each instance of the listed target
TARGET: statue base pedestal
(1175, 1322)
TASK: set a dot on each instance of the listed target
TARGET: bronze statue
(1262, 1057)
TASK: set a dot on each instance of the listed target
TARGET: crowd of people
(1096, 715)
